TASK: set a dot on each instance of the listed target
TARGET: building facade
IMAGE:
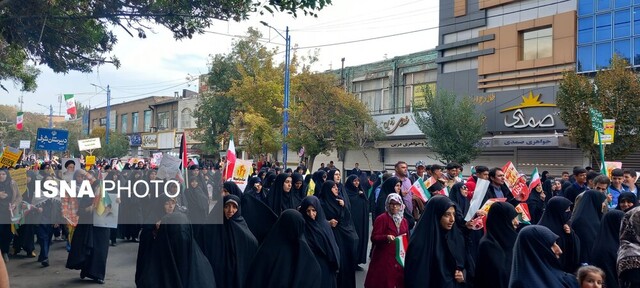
(509, 56)
(131, 118)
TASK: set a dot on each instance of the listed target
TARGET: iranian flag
(231, 159)
(71, 104)
(19, 119)
(402, 243)
(420, 189)
(535, 179)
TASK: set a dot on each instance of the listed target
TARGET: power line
(421, 30)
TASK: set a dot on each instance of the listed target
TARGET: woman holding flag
(390, 237)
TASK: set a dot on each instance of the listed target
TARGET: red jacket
(384, 269)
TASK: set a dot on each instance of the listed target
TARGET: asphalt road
(121, 268)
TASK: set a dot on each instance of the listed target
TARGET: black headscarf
(268, 180)
(302, 192)
(330, 175)
(318, 233)
(278, 200)
(318, 179)
(534, 263)
(555, 217)
(629, 197)
(233, 188)
(176, 260)
(605, 249)
(251, 184)
(285, 259)
(388, 187)
(345, 233)
(359, 215)
(462, 202)
(586, 222)
(496, 247)
(239, 246)
(434, 254)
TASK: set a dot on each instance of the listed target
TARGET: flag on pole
(19, 119)
(183, 156)
(535, 179)
(402, 243)
(231, 159)
(420, 189)
(103, 200)
(71, 104)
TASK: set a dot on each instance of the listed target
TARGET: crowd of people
(293, 228)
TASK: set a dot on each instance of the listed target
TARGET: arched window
(186, 118)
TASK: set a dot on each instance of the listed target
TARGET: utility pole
(60, 104)
(108, 114)
(21, 101)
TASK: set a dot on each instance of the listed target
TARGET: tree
(75, 133)
(118, 143)
(213, 117)
(245, 98)
(78, 34)
(452, 127)
(613, 92)
(31, 122)
(325, 117)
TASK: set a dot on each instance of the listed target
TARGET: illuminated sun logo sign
(529, 101)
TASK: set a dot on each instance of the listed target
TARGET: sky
(160, 65)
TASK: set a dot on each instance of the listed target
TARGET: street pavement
(121, 269)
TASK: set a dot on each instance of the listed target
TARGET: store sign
(135, 140)
(401, 144)
(166, 139)
(518, 120)
(149, 141)
(526, 142)
(397, 125)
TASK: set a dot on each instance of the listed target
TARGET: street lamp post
(287, 63)
(50, 124)
(108, 90)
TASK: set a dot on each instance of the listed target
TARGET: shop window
(536, 44)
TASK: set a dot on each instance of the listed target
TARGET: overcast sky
(160, 65)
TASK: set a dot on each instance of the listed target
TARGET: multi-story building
(509, 56)
(130, 117)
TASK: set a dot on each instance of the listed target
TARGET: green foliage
(452, 127)
(78, 34)
(31, 122)
(325, 117)
(118, 143)
(614, 92)
(75, 133)
(214, 115)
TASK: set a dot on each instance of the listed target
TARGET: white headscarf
(397, 218)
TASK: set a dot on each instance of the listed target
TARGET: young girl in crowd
(590, 277)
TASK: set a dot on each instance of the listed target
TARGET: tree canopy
(78, 35)
(246, 99)
(613, 92)
(118, 143)
(451, 126)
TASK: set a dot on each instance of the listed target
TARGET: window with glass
(134, 122)
(174, 119)
(585, 30)
(603, 27)
(103, 121)
(603, 55)
(604, 5)
(185, 118)
(417, 85)
(374, 94)
(123, 123)
(585, 58)
(623, 49)
(147, 121)
(536, 44)
(622, 24)
(162, 121)
(585, 7)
